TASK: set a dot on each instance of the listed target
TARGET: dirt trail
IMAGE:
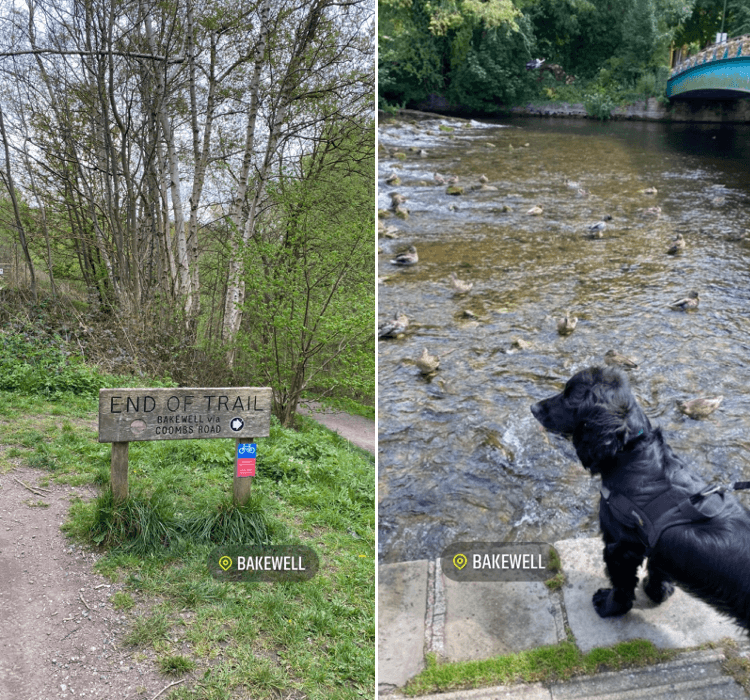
(59, 632)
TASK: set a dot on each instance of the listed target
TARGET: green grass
(314, 639)
(545, 664)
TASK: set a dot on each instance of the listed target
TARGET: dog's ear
(599, 436)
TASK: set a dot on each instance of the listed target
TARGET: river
(460, 456)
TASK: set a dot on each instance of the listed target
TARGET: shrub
(36, 364)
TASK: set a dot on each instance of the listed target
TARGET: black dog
(651, 505)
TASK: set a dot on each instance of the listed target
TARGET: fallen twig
(26, 486)
(80, 595)
(167, 688)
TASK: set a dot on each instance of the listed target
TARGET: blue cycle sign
(246, 453)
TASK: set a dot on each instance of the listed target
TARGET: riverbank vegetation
(472, 57)
(194, 185)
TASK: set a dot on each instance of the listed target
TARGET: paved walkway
(358, 430)
(422, 611)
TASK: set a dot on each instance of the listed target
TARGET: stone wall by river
(711, 111)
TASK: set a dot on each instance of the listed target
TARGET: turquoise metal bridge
(719, 72)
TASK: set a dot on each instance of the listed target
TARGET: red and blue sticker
(246, 453)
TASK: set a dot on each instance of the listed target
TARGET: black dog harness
(669, 508)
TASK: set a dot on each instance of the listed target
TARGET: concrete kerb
(421, 611)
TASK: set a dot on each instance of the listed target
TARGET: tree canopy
(476, 60)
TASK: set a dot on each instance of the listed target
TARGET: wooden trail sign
(134, 415)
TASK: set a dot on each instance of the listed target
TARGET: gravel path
(358, 430)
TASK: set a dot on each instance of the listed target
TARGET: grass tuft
(545, 664)
(140, 525)
(176, 665)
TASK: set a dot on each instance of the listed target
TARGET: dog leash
(719, 488)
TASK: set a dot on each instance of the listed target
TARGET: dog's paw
(609, 602)
(658, 590)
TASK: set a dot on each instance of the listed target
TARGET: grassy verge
(545, 664)
(313, 639)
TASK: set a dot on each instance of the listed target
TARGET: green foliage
(310, 303)
(422, 45)
(490, 75)
(33, 363)
(620, 45)
(599, 104)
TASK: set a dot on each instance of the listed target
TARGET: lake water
(460, 455)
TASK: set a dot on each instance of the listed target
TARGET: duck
(649, 190)
(572, 184)
(615, 359)
(596, 230)
(700, 407)
(460, 286)
(406, 257)
(521, 344)
(483, 179)
(395, 327)
(678, 245)
(428, 364)
(535, 211)
(565, 326)
(689, 303)
(393, 180)
(652, 211)
(451, 179)
(439, 179)
(396, 199)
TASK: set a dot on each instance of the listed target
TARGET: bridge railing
(734, 48)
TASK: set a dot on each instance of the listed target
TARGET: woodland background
(187, 189)
(471, 54)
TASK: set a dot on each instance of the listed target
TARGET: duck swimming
(394, 328)
(428, 364)
(615, 359)
(678, 245)
(596, 230)
(565, 326)
(699, 408)
(460, 286)
(407, 257)
(689, 303)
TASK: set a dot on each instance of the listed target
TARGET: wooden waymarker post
(134, 415)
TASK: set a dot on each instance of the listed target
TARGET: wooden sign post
(134, 415)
